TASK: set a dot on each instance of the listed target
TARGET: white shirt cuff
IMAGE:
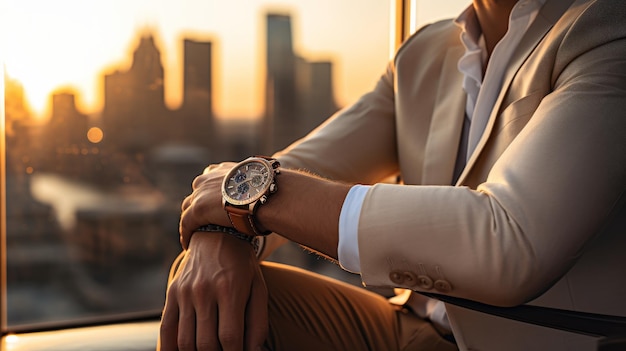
(348, 249)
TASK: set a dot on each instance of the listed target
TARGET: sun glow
(72, 43)
(54, 44)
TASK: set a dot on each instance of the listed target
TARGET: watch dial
(248, 182)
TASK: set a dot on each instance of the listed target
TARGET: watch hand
(255, 179)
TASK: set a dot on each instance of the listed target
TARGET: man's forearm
(305, 209)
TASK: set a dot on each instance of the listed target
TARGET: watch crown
(263, 199)
(273, 188)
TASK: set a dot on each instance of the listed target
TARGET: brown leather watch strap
(243, 221)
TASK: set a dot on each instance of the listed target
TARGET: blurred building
(134, 115)
(196, 112)
(298, 93)
(67, 148)
(33, 238)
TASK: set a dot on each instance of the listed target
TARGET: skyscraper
(134, 114)
(299, 93)
(196, 113)
(281, 97)
(197, 84)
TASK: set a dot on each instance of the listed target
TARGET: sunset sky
(68, 44)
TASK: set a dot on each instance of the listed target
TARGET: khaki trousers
(308, 311)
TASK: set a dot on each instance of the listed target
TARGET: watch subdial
(239, 177)
(257, 180)
(243, 188)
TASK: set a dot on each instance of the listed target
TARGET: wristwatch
(247, 186)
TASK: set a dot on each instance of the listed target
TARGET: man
(507, 127)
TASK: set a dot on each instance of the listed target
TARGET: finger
(168, 331)
(186, 202)
(223, 166)
(187, 226)
(196, 215)
(257, 323)
(206, 326)
(183, 235)
(231, 322)
(198, 181)
(176, 265)
(210, 168)
(190, 220)
(187, 328)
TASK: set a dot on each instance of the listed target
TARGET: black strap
(572, 321)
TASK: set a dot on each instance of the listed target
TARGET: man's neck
(493, 16)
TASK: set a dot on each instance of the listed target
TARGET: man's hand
(217, 299)
(204, 205)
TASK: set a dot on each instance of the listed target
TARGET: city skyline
(86, 199)
(135, 119)
(45, 58)
(67, 43)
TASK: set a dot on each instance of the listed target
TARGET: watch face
(247, 182)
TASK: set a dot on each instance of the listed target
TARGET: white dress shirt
(481, 96)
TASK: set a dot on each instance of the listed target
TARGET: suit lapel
(549, 14)
(447, 122)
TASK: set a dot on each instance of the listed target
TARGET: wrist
(215, 241)
(214, 228)
(257, 242)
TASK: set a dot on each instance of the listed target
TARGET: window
(112, 107)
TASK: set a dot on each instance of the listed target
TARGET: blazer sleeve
(543, 201)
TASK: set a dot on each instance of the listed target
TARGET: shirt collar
(468, 22)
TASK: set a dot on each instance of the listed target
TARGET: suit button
(410, 279)
(424, 282)
(443, 286)
(396, 277)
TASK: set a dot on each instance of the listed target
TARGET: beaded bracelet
(253, 240)
(227, 230)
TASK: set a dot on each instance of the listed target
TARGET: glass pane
(112, 108)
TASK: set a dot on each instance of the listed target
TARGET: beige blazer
(537, 215)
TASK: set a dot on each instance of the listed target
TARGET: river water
(69, 196)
